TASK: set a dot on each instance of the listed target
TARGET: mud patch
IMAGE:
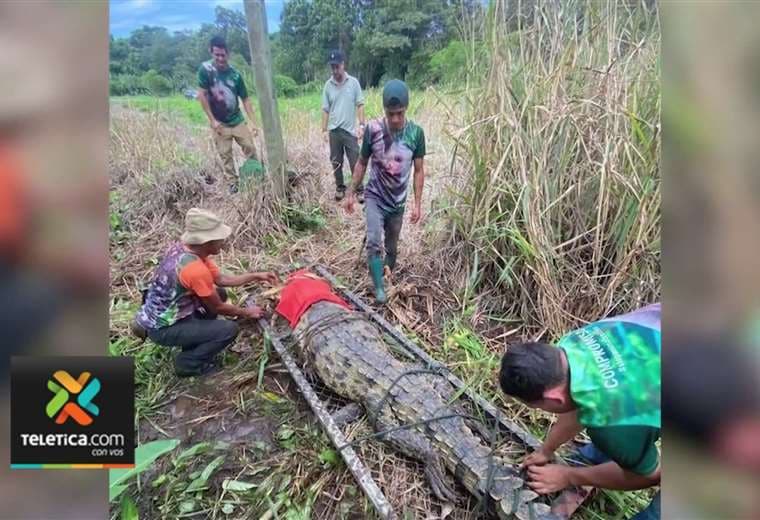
(223, 408)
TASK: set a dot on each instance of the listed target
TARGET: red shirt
(301, 291)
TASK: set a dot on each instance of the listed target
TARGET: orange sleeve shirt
(13, 208)
(199, 277)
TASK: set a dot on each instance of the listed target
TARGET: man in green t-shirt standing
(604, 378)
(220, 86)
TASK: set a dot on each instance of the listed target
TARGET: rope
(373, 413)
(311, 330)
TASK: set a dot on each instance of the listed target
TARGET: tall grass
(559, 212)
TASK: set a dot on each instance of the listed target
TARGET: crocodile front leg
(415, 445)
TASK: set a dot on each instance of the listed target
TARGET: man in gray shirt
(342, 99)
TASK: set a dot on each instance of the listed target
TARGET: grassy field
(542, 212)
(304, 106)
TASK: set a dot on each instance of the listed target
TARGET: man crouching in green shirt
(395, 145)
(604, 377)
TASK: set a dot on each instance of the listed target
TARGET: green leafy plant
(285, 86)
(307, 219)
(128, 508)
(145, 455)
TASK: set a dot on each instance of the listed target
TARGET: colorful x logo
(84, 388)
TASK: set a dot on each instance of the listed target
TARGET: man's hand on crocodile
(549, 478)
(268, 277)
(254, 312)
(539, 457)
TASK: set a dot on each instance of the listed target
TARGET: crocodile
(350, 357)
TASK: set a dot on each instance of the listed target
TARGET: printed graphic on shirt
(224, 88)
(168, 300)
(393, 156)
(615, 372)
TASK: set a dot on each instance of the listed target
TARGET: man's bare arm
(236, 280)
(358, 177)
(611, 476)
(565, 429)
(203, 98)
(325, 116)
(215, 305)
(419, 180)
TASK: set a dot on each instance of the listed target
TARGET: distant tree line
(420, 41)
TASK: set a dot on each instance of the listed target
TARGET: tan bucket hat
(202, 226)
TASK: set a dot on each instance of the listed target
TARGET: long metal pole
(569, 500)
(359, 470)
(484, 405)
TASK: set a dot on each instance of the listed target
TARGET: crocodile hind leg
(347, 414)
(415, 445)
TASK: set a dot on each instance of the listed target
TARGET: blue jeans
(594, 456)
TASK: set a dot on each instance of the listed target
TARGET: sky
(176, 15)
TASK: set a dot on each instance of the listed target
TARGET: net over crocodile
(349, 355)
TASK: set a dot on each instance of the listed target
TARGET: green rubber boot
(390, 261)
(376, 273)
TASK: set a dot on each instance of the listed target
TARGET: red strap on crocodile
(302, 290)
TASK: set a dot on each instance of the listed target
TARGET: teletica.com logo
(73, 398)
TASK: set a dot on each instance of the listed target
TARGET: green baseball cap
(395, 94)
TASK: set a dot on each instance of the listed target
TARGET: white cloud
(227, 3)
(130, 7)
(177, 22)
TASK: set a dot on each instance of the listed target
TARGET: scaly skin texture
(351, 358)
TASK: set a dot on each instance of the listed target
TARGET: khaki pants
(223, 142)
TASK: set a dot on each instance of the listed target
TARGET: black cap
(395, 94)
(335, 57)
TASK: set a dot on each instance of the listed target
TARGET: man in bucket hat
(187, 293)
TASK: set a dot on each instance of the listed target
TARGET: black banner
(72, 411)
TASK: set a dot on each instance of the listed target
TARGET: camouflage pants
(383, 228)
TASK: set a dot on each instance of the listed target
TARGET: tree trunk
(258, 40)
